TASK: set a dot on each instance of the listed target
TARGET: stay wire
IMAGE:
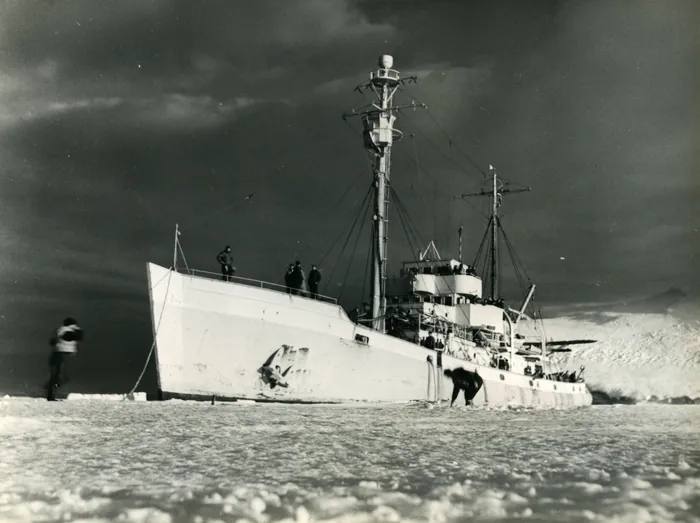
(199, 222)
(421, 169)
(444, 132)
(352, 254)
(404, 225)
(419, 242)
(403, 221)
(362, 204)
(365, 279)
(461, 167)
(482, 244)
(182, 253)
(155, 334)
(512, 249)
(361, 212)
(410, 220)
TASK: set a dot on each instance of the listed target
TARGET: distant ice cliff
(640, 356)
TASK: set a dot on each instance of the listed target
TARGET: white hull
(213, 336)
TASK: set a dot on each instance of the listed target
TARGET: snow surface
(136, 396)
(196, 462)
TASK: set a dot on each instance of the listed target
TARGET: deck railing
(301, 293)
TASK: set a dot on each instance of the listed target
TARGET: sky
(120, 119)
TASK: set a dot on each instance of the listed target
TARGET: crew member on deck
(430, 341)
(289, 278)
(64, 345)
(298, 279)
(314, 280)
(225, 259)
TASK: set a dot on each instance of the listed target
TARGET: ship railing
(301, 293)
(441, 326)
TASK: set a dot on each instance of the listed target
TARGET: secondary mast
(379, 135)
(496, 194)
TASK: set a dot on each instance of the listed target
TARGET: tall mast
(379, 135)
(496, 194)
(495, 200)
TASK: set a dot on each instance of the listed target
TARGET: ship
(232, 338)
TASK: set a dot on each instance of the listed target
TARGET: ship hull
(214, 337)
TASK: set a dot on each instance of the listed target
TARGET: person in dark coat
(64, 346)
(298, 279)
(225, 259)
(464, 380)
(289, 278)
(314, 280)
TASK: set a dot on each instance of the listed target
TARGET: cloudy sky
(119, 119)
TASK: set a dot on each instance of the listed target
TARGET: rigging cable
(249, 197)
(484, 238)
(510, 246)
(402, 219)
(410, 221)
(438, 148)
(442, 130)
(421, 169)
(182, 253)
(362, 211)
(365, 279)
(516, 268)
(362, 204)
(411, 231)
(352, 254)
(155, 334)
(350, 187)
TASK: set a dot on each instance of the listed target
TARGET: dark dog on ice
(464, 380)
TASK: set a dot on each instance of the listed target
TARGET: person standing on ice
(225, 259)
(64, 345)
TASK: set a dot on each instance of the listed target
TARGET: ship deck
(261, 284)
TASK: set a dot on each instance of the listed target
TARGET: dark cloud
(118, 120)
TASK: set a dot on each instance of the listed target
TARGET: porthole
(502, 376)
(531, 384)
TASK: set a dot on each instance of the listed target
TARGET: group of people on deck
(294, 279)
(445, 270)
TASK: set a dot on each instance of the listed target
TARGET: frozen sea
(196, 462)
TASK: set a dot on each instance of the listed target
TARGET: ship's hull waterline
(212, 337)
